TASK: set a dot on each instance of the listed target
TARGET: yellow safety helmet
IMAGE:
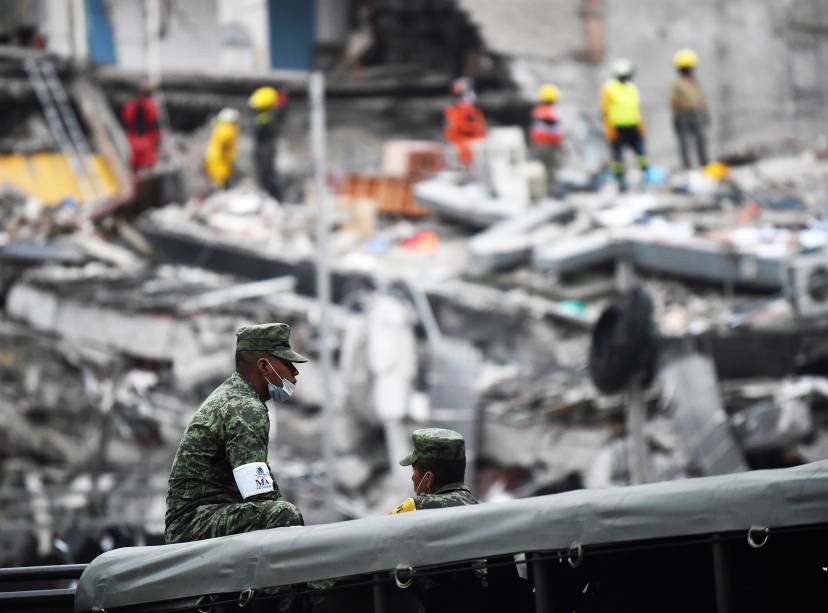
(686, 58)
(264, 98)
(549, 93)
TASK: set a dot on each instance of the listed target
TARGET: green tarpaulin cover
(771, 498)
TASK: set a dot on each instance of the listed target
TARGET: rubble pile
(477, 318)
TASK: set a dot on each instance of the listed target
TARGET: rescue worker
(465, 124)
(140, 117)
(266, 102)
(220, 482)
(623, 122)
(220, 156)
(545, 132)
(689, 107)
(438, 461)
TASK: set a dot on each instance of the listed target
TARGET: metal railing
(52, 598)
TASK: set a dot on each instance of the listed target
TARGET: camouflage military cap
(435, 444)
(273, 338)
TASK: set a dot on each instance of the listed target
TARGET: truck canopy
(768, 499)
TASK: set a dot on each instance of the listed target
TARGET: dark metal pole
(380, 594)
(721, 577)
(542, 578)
(14, 601)
(42, 573)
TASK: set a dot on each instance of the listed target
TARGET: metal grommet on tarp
(403, 583)
(575, 555)
(245, 596)
(204, 604)
(757, 536)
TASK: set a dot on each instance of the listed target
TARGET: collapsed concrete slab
(509, 243)
(690, 391)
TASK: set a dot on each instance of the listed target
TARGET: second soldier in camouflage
(439, 465)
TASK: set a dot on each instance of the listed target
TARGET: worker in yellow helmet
(545, 132)
(689, 107)
(623, 122)
(220, 156)
(267, 103)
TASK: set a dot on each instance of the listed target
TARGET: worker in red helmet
(545, 132)
(465, 124)
(140, 117)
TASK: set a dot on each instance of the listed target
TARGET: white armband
(253, 478)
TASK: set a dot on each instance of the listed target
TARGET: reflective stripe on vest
(623, 103)
(545, 129)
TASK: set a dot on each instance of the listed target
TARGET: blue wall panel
(292, 33)
(99, 33)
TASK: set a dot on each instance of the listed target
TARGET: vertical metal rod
(77, 16)
(721, 577)
(637, 444)
(323, 279)
(153, 39)
(636, 410)
(380, 594)
(542, 578)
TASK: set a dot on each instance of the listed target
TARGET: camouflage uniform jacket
(452, 495)
(230, 429)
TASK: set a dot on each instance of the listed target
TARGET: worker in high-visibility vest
(689, 108)
(623, 122)
(267, 102)
(220, 156)
(464, 122)
(545, 132)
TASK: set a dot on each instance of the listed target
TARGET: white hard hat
(622, 68)
(228, 115)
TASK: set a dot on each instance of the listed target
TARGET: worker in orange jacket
(465, 124)
(545, 132)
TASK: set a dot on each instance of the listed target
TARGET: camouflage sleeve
(247, 426)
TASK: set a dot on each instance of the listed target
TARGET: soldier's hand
(407, 506)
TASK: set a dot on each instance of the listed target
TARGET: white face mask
(280, 393)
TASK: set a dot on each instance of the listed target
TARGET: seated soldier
(220, 482)
(439, 466)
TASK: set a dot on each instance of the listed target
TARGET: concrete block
(689, 387)
(576, 253)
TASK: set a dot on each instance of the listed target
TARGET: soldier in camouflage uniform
(220, 482)
(439, 464)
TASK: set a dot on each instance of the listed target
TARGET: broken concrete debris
(476, 317)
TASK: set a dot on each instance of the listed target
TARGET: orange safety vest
(464, 121)
(464, 124)
(545, 130)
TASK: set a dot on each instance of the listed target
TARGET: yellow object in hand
(406, 507)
